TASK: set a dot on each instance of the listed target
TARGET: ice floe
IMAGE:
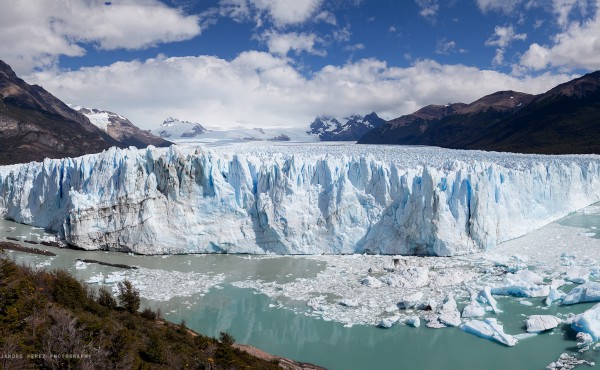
(588, 292)
(588, 322)
(489, 329)
(539, 323)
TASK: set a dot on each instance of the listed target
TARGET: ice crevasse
(294, 200)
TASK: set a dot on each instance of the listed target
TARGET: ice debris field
(297, 199)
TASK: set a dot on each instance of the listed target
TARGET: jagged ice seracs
(297, 199)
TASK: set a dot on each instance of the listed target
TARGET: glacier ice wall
(335, 200)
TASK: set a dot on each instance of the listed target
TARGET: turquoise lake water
(260, 321)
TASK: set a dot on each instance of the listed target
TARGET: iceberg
(539, 323)
(588, 322)
(448, 313)
(297, 199)
(588, 292)
(485, 296)
(473, 309)
(526, 290)
(413, 321)
(388, 322)
(489, 329)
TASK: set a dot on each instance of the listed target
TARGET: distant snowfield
(291, 198)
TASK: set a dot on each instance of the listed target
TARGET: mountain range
(564, 120)
(35, 125)
(121, 129)
(350, 128)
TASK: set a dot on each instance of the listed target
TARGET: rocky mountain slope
(121, 129)
(561, 121)
(350, 128)
(34, 124)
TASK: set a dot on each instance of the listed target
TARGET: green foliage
(226, 338)
(105, 298)
(51, 312)
(129, 297)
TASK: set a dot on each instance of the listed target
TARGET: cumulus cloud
(502, 38)
(505, 6)
(578, 46)
(282, 43)
(35, 33)
(447, 47)
(259, 89)
(428, 9)
(281, 12)
(563, 9)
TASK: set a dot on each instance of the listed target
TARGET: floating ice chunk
(539, 323)
(588, 322)
(554, 295)
(96, 279)
(588, 292)
(448, 313)
(371, 282)
(473, 309)
(525, 303)
(410, 301)
(485, 296)
(523, 276)
(489, 329)
(114, 277)
(349, 302)
(317, 304)
(80, 265)
(577, 274)
(526, 290)
(567, 362)
(410, 277)
(584, 340)
(413, 321)
(388, 322)
(524, 336)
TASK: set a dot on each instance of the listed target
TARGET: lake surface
(198, 289)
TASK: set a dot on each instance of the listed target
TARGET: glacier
(297, 199)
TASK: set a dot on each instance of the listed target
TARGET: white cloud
(354, 47)
(563, 9)
(282, 43)
(429, 8)
(502, 38)
(445, 47)
(505, 6)
(260, 89)
(34, 33)
(281, 12)
(578, 46)
(326, 17)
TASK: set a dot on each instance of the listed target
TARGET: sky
(281, 63)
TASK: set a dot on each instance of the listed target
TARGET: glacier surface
(297, 199)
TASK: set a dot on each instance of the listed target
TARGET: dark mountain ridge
(34, 124)
(564, 120)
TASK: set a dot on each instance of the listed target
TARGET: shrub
(129, 297)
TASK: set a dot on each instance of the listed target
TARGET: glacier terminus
(297, 199)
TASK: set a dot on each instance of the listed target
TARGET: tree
(129, 297)
(105, 298)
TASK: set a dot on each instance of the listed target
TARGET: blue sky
(261, 63)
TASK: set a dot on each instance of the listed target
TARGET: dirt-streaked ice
(297, 199)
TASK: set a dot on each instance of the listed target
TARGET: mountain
(352, 128)
(564, 120)
(174, 129)
(121, 129)
(447, 125)
(34, 124)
